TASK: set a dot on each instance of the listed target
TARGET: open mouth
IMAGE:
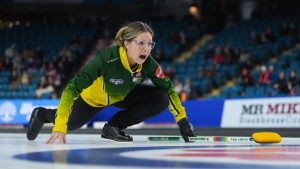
(143, 56)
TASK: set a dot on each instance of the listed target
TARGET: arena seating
(52, 38)
(283, 53)
(238, 38)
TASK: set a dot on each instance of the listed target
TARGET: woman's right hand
(61, 137)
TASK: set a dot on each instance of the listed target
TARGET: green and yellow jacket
(107, 79)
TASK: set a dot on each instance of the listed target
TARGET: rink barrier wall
(283, 112)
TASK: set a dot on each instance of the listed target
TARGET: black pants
(141, 103)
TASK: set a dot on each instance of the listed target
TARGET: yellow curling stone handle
(266, 137)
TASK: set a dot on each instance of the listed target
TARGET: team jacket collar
(124, 60)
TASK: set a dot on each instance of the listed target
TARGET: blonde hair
(130, 31)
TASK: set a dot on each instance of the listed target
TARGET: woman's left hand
(61, 137)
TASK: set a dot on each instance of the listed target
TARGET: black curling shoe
(35, 123)
(115, 133)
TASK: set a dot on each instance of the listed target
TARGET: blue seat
(46, 96)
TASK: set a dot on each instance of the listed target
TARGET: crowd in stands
(223, 68)
(235, 71)
(170, 44)
(32, 66)
(31, 73)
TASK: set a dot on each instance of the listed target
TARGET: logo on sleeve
(116, 81)
(159, 73)
(112, 60)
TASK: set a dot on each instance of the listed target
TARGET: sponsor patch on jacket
(116, 81)
(159, 73)
(112, 60)
(137, 77)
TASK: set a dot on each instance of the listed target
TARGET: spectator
(182, 38)
(272, 74)
(263, 38)
(210, 52)
(25, 78)
(254, 38)
(169, 72)
(14, 79)
(11, 51)
(228, 55)
(51, 72)
(264, 76)
(292, 29)
(235, 56)
(44, 88)
(182, 41)
(244, 58)
(273, 90)
(39, 55)
(270, 35)
(218, 58)
(246, 78)
(159, 56)
(187, 88)
(31, 66)
(7, 64)
(211, 71)
(18, 62)
(178, 86)
(281, 84)
(27, 53)
(201, 74)
(293, 82)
